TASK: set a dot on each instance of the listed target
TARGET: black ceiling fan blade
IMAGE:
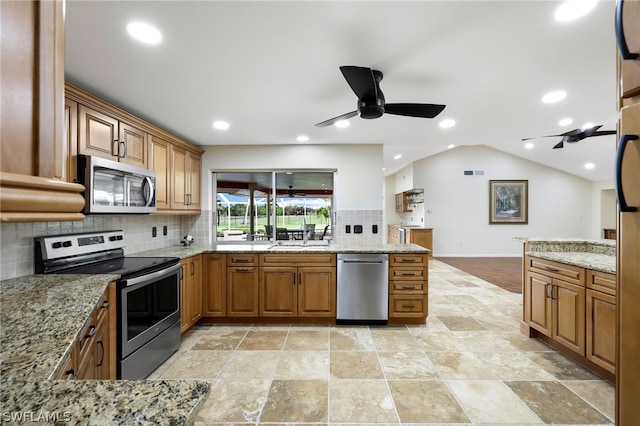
(361, 81)
(559, 145)
(574, 132)
(414, 110)
(333, 120)
(603, 133)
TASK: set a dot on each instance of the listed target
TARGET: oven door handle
(154, 276)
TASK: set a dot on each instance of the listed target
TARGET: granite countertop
(40, 317)
(595, 261)
(595, 254)
(194, 250)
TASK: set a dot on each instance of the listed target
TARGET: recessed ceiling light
(397, 157)
(342, 124)
(553, 97)
(447, 123)
(574, 9)
(529, 145)
(302, 138)
(589, 166)
(451, 146)
(565, 121)
(220, 125)
(144, 32)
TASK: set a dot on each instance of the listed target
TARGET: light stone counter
(40, 317)
(194, 250)
(598, 255)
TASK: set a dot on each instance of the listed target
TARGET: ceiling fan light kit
(365, 83)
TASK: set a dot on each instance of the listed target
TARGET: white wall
(604, 207)
(358, 181)
(560, 204)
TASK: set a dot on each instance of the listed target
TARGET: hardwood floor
(505, 272)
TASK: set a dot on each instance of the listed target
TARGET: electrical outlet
(357, 229)
(347, 229)
(165, 231)
(374, 229)
(154, 232)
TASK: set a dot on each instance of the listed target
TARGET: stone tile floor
(469, 365)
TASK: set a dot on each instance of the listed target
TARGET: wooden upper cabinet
(186, 168)
(69, 171)
(630, 68)
(105, 136)
(32, 164)
(158, 161)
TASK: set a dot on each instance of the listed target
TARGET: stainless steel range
(148, 293)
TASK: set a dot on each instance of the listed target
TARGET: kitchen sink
(299, 245)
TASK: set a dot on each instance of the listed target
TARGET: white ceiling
(270, 68)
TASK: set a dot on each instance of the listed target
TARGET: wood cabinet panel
(158, 161)
(600, 281)
(133, 145)
(279, 291)
(408, 287)
(311, 259)
(422, 237)
(408, 306)
(215, 285)
(630, 69)
(569, 306)
(601, 329)
(317, 292)
(69, 160)
(97, 133)
(190, 292)
(568, 273)
(242, 291)
(538, 312)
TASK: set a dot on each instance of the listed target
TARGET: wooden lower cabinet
(214, 289)
(190, 292)
(93, 355)
(408, 288)
(573, 307)
(242, 291)
(422, 237)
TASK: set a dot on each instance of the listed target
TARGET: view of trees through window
(249, 207)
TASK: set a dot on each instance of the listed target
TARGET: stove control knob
(66, 244)
(57, 244)
(119, 237)
(113, 238)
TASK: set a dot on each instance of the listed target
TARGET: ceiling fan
(365, 83)
(576, 135)
(293, 193)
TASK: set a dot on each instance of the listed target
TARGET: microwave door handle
(149, 184)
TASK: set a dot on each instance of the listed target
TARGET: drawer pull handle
(105, 305)
(241, 260)
(408, 260)
(622, 202)
(549, 268)
(92, 331)
(408, 274)
(408, 287)
(409, 306)
(625, 53)
(242, 270)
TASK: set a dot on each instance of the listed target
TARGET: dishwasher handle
(366, 262)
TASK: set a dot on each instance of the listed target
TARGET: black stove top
(125, 266)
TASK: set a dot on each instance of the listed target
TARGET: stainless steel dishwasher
(363, 289)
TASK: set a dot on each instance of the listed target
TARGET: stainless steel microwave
(118, 188)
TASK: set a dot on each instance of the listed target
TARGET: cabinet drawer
(407, 259)
(408, 274)
(103, 307)
(296, 259)
(242, 259)
(407, 306)
(85, 339)
(569, 273)
(601, 281)
(408, 287)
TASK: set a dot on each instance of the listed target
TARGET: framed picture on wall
(508, 202)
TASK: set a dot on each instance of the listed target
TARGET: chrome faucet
(305, 236)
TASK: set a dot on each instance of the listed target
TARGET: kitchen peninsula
(569, 298)
(55, 308)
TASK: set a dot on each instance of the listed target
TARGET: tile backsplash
(366, 218)
(17, 246)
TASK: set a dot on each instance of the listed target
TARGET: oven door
(149, 305)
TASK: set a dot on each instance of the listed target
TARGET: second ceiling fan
(365, 83)
(576, 135)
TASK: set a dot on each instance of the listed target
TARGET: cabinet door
(423, 238)
(195, 295)
(601, 329)
(538, 313)
(316, 292)
(242, 292)
(215, 285)
(102, 349)
(194, 175)
(179, 187)
(569, 315)
(133, 145)
(158, 161)
(278, 292)
(185, 291)
(630, 69)
(97, 133)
